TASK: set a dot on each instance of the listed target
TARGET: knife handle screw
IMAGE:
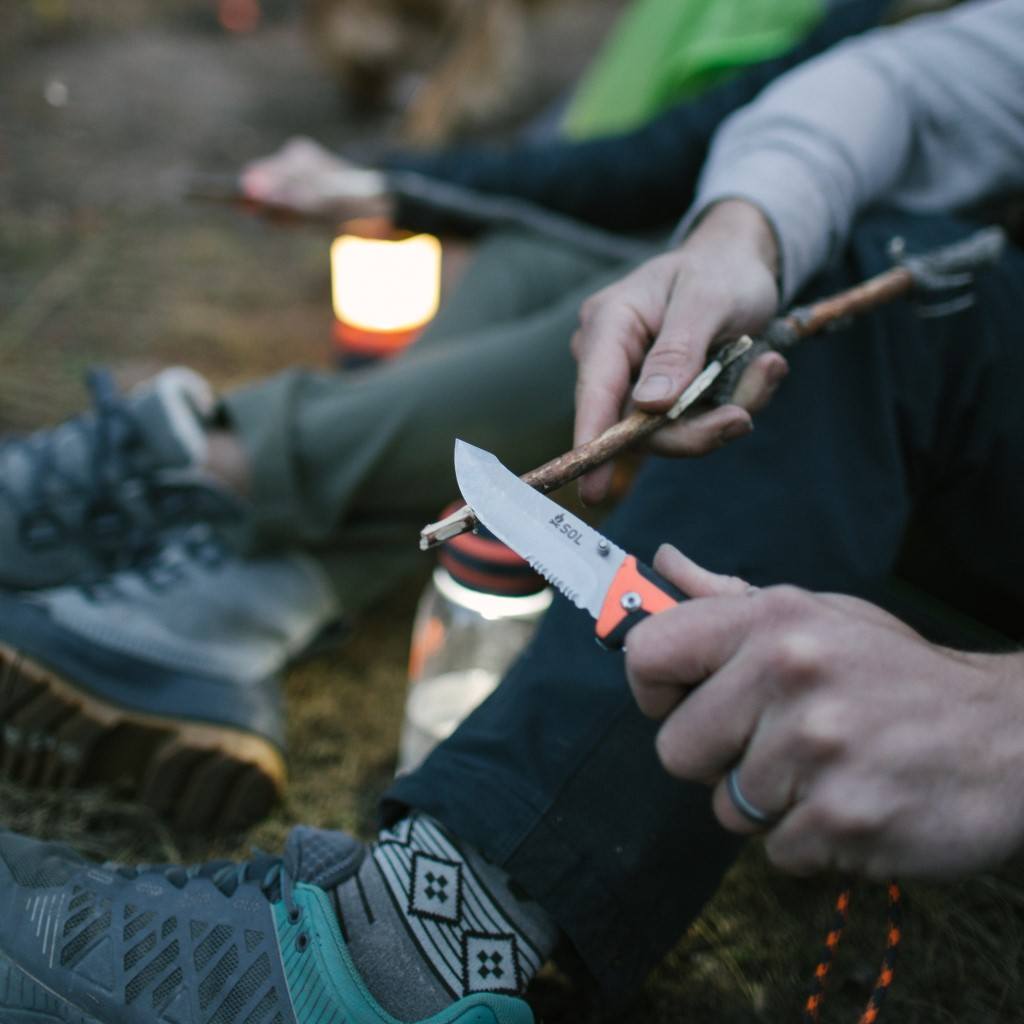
(631, 601)
(603, 547)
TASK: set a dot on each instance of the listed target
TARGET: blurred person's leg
(88, 495)
(350, 466)
(510, 274)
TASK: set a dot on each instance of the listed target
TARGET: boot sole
(200, 777)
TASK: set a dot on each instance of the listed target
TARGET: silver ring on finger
(750, 811)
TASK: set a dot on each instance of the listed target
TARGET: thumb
(694, 580)
(678, 353)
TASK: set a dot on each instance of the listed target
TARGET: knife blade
(594, 573)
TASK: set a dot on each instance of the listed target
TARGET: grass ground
(99, 262)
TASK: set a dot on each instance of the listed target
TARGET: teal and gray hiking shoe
(163, 680)
(254, 943)
(88, 495)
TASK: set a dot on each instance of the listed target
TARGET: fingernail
(735, 430)
(651, 389)
(778, 374)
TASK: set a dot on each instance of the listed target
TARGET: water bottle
(477, 613)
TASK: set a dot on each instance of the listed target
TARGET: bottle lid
(481, 562)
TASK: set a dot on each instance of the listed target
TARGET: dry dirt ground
(105, 107)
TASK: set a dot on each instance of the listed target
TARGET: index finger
(670, 653)
(611, 344)
(605, 373)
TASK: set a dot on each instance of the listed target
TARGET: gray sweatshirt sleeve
(926, 116)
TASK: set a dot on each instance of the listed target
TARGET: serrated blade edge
(570, 554)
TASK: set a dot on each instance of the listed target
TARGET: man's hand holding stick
(756, 365)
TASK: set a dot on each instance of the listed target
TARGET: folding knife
(591, 571)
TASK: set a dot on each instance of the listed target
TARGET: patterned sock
(428, 920)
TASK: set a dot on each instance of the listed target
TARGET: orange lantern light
(385, 288)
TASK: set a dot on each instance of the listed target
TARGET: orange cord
(894, 933)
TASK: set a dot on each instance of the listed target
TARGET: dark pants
(895, 448)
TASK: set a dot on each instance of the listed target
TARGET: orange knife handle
(636, 592)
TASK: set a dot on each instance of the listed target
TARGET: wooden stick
(799, 324)
(874, 292)
(931, 271)
(573, 464)
(227, 189)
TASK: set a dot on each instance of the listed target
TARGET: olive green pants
(350, 465)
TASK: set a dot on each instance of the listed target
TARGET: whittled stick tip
(460, 521)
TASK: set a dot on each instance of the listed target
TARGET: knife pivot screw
(603, 547)
(631, 601)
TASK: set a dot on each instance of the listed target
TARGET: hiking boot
(88, 495)
(251, 943)
(163, 679)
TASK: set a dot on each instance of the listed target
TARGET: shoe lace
(268, 872)
(161, 563)
(108, 434)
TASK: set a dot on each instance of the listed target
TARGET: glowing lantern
(385, 289)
